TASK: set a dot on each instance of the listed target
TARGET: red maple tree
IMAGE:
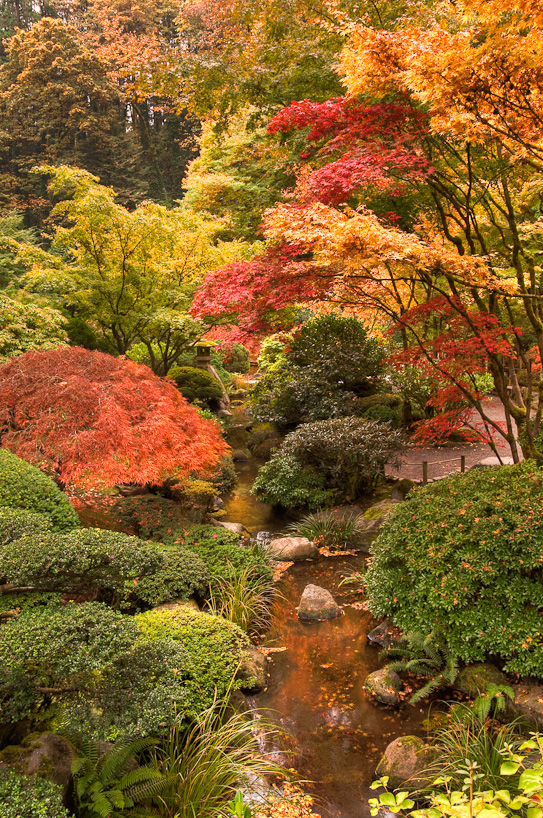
(90, 419)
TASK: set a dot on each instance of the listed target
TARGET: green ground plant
(245, 599)
(328, 528)
(25, 797)
(424, 656)
(463, 557)
(26, 487)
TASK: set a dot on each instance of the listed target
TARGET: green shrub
(197, 385)
(151, 516)
(329, 529)
(87, 562)
(344, 456)
(463, 557)
(327, 365)
(24, 486)
(384, 414)
(24, 797)
(221, 550)
(283, 481)
(16, 523)
(225, 477)
(63, 649)
(182, 575)
(213, 648)
(237, 359)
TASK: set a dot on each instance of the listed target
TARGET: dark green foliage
(16, 523)
(196, 385)
(237, 359)
(225, 477)
(213, 649)
(57, 649)
(151, 516)
(108, 783)
(424, 656)
(182, 574)
(24, 797)
(344, 456)
(327, 366)
(25, 486)
(221, 550)
(385, 414)
(87, 562)
(329, 529)
(464, 557)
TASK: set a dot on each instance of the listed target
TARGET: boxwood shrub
(16, 523)
(24, 486)
(463, 557)
(24, 797)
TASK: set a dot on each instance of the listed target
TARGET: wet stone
(404, 760)
(291, 549)
(384, 686)
(317, 604)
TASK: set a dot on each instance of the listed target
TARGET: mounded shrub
(213, 649)
(463, 558)
(150, 516)
(182, 574)
(17, 522)
(26, 487)
(196, 385)
(221, 551)
(237, 359)
(25, 797)
(328, 461)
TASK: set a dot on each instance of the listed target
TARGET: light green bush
(24, 797)
(26, 487)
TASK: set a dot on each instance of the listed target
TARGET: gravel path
(444, 460)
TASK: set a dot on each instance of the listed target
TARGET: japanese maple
(91, 419)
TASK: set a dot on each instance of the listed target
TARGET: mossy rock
(474, 680)
(384, 686)
(404, 762)
(380, 509)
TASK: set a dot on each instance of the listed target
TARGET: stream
(317, 673)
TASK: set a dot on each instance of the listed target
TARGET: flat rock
(528, 704)
(404, 760)
(384, 686)
(386, 634)
(291, 549)
(474, 680)
(51, 757)
(317, 604)
(490, 462)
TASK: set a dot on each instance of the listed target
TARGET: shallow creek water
(315, 687)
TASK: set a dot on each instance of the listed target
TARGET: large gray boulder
(51, 757)
(370, 523)
(291, 549)
(317, 604)
(404, 761)
(384, 686)
(528, 704)
(491, 462)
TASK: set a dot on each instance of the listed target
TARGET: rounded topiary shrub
(463, 558)
(24, 486)
(213, 650)
(196, 385)
(24, 797)
(16, 523)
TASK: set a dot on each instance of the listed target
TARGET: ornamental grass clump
(464, 557)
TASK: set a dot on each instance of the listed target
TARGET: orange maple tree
(90, 419)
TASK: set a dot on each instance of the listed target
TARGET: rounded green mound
(16, 523)
(463, 557)
(24, 486)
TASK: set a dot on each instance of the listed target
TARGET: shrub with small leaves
(24, 797)
(344, 456)
(26, 487)
(17, 522)
(213, 649)
(463, 557)
(197, 385)
(182, 574)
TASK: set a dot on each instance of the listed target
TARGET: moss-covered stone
(474, 680)
(384, 686)
(405, 760)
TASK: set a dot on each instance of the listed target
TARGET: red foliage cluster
(251, 293)
(451, 358)
(363, 145)
(91, 419)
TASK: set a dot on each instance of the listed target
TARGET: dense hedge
(221, 550)
(197, 385)
(24, 797)
(108, 565)
(16, 523)
(24, 486)
(213, 648)
(464, 557)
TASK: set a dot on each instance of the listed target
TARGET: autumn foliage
(91, 419)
